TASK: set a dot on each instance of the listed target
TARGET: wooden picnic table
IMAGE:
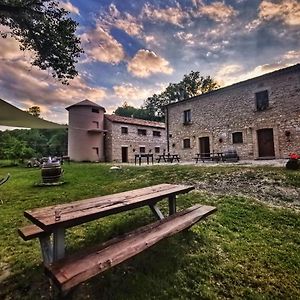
(68, 271)
(168, 157)
(57, 218)
(214, 156)
(139, 157)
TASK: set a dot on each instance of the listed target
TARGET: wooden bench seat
(30, 232)
(75, 269)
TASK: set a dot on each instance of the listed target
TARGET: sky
(134, 49)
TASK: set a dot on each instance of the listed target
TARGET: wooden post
(47, 250)
(172, 204)
(58, 244)
(158, 214)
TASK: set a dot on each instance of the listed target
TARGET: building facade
(259, 118)
(86, 131)
(127, 136)
(96, 136)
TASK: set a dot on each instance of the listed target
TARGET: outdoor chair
(2, 181)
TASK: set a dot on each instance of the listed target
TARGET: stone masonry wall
(233, 109)
(115, 140)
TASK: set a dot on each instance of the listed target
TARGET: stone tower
(86, 131)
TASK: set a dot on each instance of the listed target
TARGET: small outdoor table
(168, 157)
(139, 157)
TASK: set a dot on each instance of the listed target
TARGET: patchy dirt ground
(268, 187)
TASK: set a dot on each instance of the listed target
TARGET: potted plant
(293, 163)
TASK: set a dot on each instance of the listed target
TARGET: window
(186, 143)
(262, 100)
(157, 149)
(124, 130)
(97, 150)
(156, 133)
(142, 132)
(187, 117)
(96, 124)
(95, 110)
(142, 149)
(237, 137)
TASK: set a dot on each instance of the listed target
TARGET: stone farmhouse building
(259, 118)
(96, 136)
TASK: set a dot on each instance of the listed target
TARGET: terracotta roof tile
(134, 121)
(86, 102)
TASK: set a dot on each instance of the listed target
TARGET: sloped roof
(15, 117)
(86, 102)
(291, 69)
(134, 121)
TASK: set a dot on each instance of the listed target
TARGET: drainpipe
(167, 124)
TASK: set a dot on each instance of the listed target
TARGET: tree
(140, 113)
(15, 149)
(191, 85)
(34, 110)
(43, 27)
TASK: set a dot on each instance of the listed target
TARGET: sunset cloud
(186, 37)
(173, 15)
(217, 11)
(146, 63)
(67, 5)
(124, 21)
(287, 11)
(99, 45)
(133, 95)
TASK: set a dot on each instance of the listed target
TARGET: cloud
(230, 74)
(217, 11)
(173, 15)
(146, 63)
(133, 95)
(99, 45)
(24, 86)
(124, 21)
(293, 55)
(188, 38)
(287, 11)
(67, 5)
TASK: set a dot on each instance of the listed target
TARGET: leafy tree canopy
(191, 85)
(46, 29)
(34, 110)
(140, 113)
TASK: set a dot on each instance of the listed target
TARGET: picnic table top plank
(78, 212)
(75, 269)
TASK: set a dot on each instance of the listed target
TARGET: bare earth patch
(271, 190)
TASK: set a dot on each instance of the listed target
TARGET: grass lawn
(250, 248)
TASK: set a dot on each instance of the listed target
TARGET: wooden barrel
(51, 172)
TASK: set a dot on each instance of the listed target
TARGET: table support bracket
(158, 214)
(47, 249)
(172, 204)
(58, 244)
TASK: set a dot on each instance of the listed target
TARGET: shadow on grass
(149, 275)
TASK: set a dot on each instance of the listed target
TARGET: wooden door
(124, 154)
(204, 146)
(265, 141)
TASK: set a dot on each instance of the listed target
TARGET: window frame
(186, 143)
(142, 132)
(142, 147)
(156, 133)
(262, 100)
(124, 130)
(187, 117)
(157, 148)
(237, 137)
(95, 110)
